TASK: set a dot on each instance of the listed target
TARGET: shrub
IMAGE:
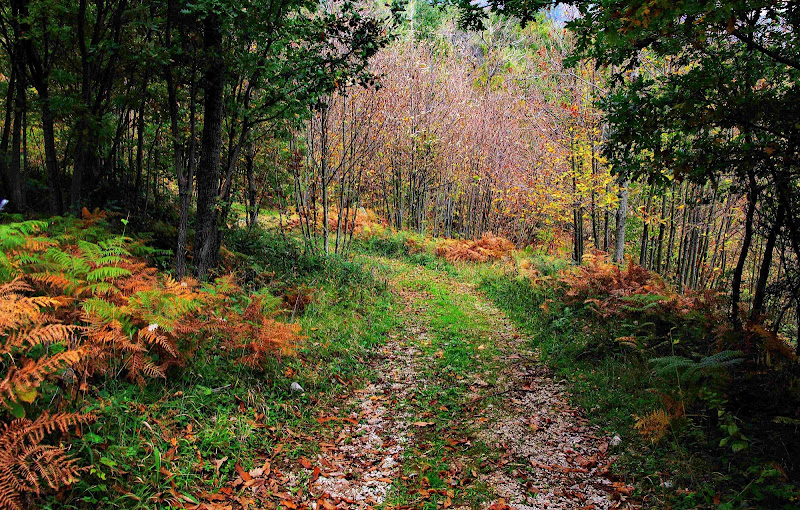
(77, 304)
(489, 247)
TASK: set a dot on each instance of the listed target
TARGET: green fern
(105, 273)
(101, 308)
(642, 302)
(691, 371)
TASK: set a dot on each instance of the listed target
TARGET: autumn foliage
(364, 221)
(77, 305)
(614, 290)
(487, 248)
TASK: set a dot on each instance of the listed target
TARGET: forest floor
(457, 412)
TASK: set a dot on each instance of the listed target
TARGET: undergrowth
(125, 388)
(658, 369)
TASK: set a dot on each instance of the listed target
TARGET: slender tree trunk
(83, 147)
(671, 231)
(736, 285)
(766, 264)
(622, 213)
(252, 192)
(643, 248)
(181, 164)
(15, 166)
(577, 211)
(324, 179)
(4, 138)
(140, 149)
(51, 160)
(662, 224)
(683, 245)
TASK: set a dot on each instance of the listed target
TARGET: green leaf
(739, 446)
(108, 462)
(16, 409)
(93, 438)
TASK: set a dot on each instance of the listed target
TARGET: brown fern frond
(151, 335)
(15, 286)
(489, 247)
(42, 335)
(26, 465)
(25, 380)
(38, 244)
(56, 281)
(18, 310)
(265, 339)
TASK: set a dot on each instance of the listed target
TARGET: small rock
(296, 388)
(615, 441)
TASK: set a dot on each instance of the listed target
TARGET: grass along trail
(459, 414)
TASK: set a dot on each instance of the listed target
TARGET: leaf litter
(543, 454)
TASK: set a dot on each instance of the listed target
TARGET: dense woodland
(170, 169)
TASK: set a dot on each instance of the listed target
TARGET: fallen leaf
(242, 473)
(327, 505)
(217, 463)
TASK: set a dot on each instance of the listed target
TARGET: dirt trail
(514, 442)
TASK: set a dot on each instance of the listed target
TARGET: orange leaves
(298, 298)
(124, 312)
(489, 247)
(26, 465)
(500, 504)
(654, 425)
(258, 337)
(422, 424)
(361, 221)
(613, 290)
(24, 325)
(326, 419)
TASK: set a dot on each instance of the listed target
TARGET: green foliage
(390, 244)
(271, 257)
(712, 441)
(691, 371)
(216, 408)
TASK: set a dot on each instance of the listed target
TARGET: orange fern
(487, 248)
(26, 465)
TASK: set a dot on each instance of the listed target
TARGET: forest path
(460, 414)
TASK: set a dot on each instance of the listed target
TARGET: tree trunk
(622, 213)
(179, 161)
(208, 169)
(252, 192)
(323, 160)
(4, 138)
(662, 224)
(643, 247)
(14, 180)
(766, 264)
(736, 285)
(140, 152)
(51, 160)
